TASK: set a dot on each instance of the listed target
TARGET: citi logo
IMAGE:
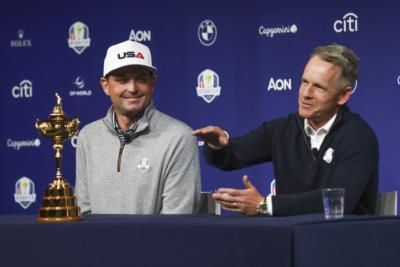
(140, 36)
(24, 89)
(130, 54)
(279, 84)
(349, 23)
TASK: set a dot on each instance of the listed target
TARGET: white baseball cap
(126, 54)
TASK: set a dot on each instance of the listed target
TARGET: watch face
(263, 208)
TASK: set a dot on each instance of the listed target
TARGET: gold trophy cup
(59, 202)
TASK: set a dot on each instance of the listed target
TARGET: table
(369, 241)
(197, 240)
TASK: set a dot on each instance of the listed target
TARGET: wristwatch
(263, 207)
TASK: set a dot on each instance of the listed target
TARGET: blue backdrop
(254, 50)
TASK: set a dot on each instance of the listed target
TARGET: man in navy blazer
(323, 145)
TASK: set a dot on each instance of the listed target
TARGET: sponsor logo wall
(229, 66)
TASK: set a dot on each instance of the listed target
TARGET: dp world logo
(25, 192)
(207, 32)
(208, 85)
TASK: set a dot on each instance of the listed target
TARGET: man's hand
(213, 135)
(241, 200)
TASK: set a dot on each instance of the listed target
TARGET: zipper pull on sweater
(121, 149)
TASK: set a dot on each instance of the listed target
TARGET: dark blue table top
(170, 240)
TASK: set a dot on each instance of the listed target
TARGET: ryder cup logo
(207, 32)
(79, 37)
(25, 192)
(208, 85)
(143, 164)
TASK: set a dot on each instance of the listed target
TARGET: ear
(344, 96)
(104, 84)
(153, 83)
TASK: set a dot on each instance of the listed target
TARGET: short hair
(343, 57)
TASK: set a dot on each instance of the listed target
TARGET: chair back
(386, 204)
(208, 205)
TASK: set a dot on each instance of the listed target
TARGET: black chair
(386, 204)
(208, 205)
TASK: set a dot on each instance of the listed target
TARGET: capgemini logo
(271, 31)
(18, 144)
(74, 140)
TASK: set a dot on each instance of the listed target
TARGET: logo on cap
(207, 32)
(208, 85)
(125, 54)
(79, 37)
(130, 54)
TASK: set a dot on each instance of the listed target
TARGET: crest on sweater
(143, 164)
(328, 156)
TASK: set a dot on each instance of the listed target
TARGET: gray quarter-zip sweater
(159, 168)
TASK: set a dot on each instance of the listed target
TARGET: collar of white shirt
(317, 136)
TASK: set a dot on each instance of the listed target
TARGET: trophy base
(59, 219)
(59, 203)
(59, 214)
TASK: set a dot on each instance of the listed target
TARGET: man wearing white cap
(136, 160)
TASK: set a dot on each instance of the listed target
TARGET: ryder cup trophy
(59, 202)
